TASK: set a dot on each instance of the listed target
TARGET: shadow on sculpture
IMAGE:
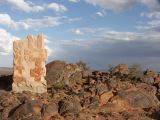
(6, 82)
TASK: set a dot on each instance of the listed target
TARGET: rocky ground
(75, 93)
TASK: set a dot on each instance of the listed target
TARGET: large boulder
(29, 109)
(150, 73)
(139, 98)
(24, 111)
(63, 73)
(132, 99)
(49, 111)
(150, 76)
(69, 105)
(8, 103)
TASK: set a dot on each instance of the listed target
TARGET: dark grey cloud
(100, 53)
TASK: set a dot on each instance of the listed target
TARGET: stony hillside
(75, 93)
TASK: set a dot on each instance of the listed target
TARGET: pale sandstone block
(40, 41)
(30, 56)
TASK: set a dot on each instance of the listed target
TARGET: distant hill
(6, 71)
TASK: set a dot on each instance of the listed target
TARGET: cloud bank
(28, 6)
(6, 40)
(111, 47)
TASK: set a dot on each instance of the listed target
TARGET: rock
(9, 103)
(139, 98)
(83, 95)
(76, 95)
(112, 83)
(149, 89)
(157, 79)
(154, 112)
(101, 88)
(1, 108)
(50, 110)
(104, 98)
(29, 65)
(149, 76)
(86, 74)
(116, 105)
(131, 99)
(86, 114)
(36, 106)
(85, 102)
(123, 85)
(76, 78)
(24, 111)
(150, 73)
(68, 105)
(121, 69)
(94, 102)
(4, 94)
(148, 80)
(61, 72)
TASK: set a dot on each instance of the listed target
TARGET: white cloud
(77, 31)
(75, 1)
(57, 7)
(121, 5)
(100, 14)
(44, 22)
(113, 4)
(87, 31)
(153, 14)
(5, 19)
(28, 6)
(74, 19)
(23, 5)
(152, 25)
(29, 23)
(6, 40)
(82, 31)
(105, 34)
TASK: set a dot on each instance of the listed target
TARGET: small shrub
(110, 68)
(135, 73)
(83, 65)
(59, 85)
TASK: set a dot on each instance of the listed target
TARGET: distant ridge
(6, 71)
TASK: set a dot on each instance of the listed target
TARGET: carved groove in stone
(30, 56)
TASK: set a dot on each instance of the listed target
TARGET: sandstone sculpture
(30, 56)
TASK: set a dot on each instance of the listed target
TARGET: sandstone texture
(30, 56)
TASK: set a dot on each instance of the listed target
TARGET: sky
(99, 32)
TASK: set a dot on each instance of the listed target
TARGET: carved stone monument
(30, 56)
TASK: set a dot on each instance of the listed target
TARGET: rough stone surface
(135, 98)
(50, 110)
(122, 69)
(98, 96)
(63, 73)
(104, 98)
(29, 65)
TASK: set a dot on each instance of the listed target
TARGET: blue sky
(100, 32)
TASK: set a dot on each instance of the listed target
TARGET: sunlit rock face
(30, 56)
